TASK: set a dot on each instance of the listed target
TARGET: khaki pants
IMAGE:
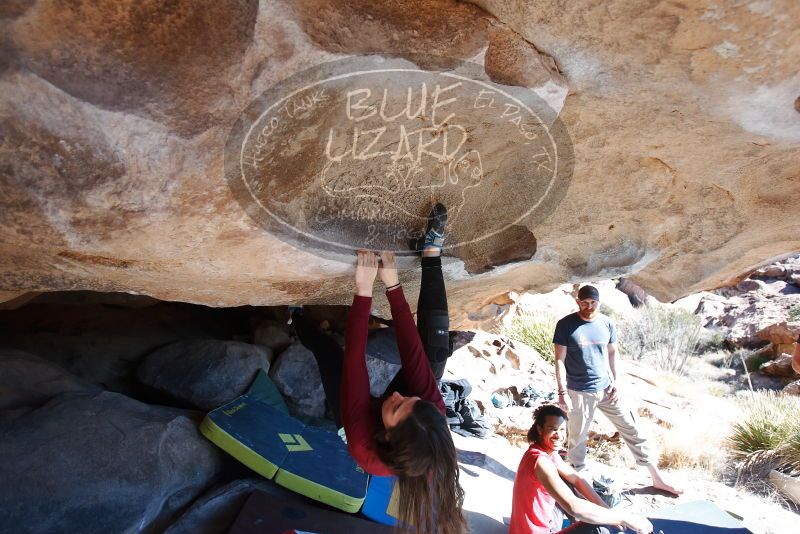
(584, 404)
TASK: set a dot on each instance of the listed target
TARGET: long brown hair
(421, 453)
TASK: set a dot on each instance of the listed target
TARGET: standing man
(587, 370)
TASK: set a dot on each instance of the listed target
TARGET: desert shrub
(715, 341)
(536, 332)
(767, 435)
(605, 309)
(663, 337)
(794, 313)
(689, 445)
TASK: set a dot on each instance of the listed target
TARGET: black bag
(463, 415)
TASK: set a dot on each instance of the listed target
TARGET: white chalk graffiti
(397, 161)
(399, 178)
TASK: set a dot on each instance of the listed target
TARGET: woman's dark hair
(540, 414)
(421, 453)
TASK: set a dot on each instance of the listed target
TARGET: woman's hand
(388, 269)
(366, 270)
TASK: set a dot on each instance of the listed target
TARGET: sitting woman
(541, 482)
(404, 433)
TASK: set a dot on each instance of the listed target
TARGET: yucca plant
(768, 434)
(534, 331)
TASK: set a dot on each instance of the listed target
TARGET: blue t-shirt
(587, 353)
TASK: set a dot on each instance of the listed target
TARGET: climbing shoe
(292, 309)
(434, 232)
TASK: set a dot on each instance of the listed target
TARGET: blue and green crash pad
(696, 517)
(265, 513)
(382, 502)
(257, 430)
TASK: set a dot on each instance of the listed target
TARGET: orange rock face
(115, 116)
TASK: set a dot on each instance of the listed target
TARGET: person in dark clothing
(404, 433)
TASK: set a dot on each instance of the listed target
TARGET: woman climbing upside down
(404, 433)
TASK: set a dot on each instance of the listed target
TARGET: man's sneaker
(434, 232)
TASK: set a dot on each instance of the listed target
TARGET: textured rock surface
(205, 374)
(756, 310)
(27, 381)
(296, 374)
(780, 334)
(102, 463)
(115, 116)
(273, 335)
(780, 366)
(102, 338)
(216, 510)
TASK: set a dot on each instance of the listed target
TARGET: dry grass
(694, 444)
(697, 388)
(663, 337)
(697, 441)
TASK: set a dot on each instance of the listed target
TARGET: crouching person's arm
(585, 510)
(571, 477)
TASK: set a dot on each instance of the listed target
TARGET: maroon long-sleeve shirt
(361, 415)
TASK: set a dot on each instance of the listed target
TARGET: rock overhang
(124, 189)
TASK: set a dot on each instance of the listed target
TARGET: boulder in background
(29, 381)
(203, 373)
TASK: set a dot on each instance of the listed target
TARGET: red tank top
(532, 507)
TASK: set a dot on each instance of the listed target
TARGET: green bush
(754, 361)
(712, 343)
(663, 337)
(767, 435)
(536, 332)
(794, 313)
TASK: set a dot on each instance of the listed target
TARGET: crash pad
(266, 391)
(311, 461)
(264, 513)
(382, 502)
(695, 517)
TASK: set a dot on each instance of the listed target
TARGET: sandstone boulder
(203, 374)
(743, 315)
(382, 345)
(102, 338)
(780, 333)
(686, 135)
(793, 388)
(27, 381)
(772, 271)
(780, 367)
(100, 463)
(215, 511)
(750, 285)
(296, 374)
(273, 335)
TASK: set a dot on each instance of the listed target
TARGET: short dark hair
(588, 292)
(540, 414)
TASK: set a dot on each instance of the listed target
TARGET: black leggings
(433, 324)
